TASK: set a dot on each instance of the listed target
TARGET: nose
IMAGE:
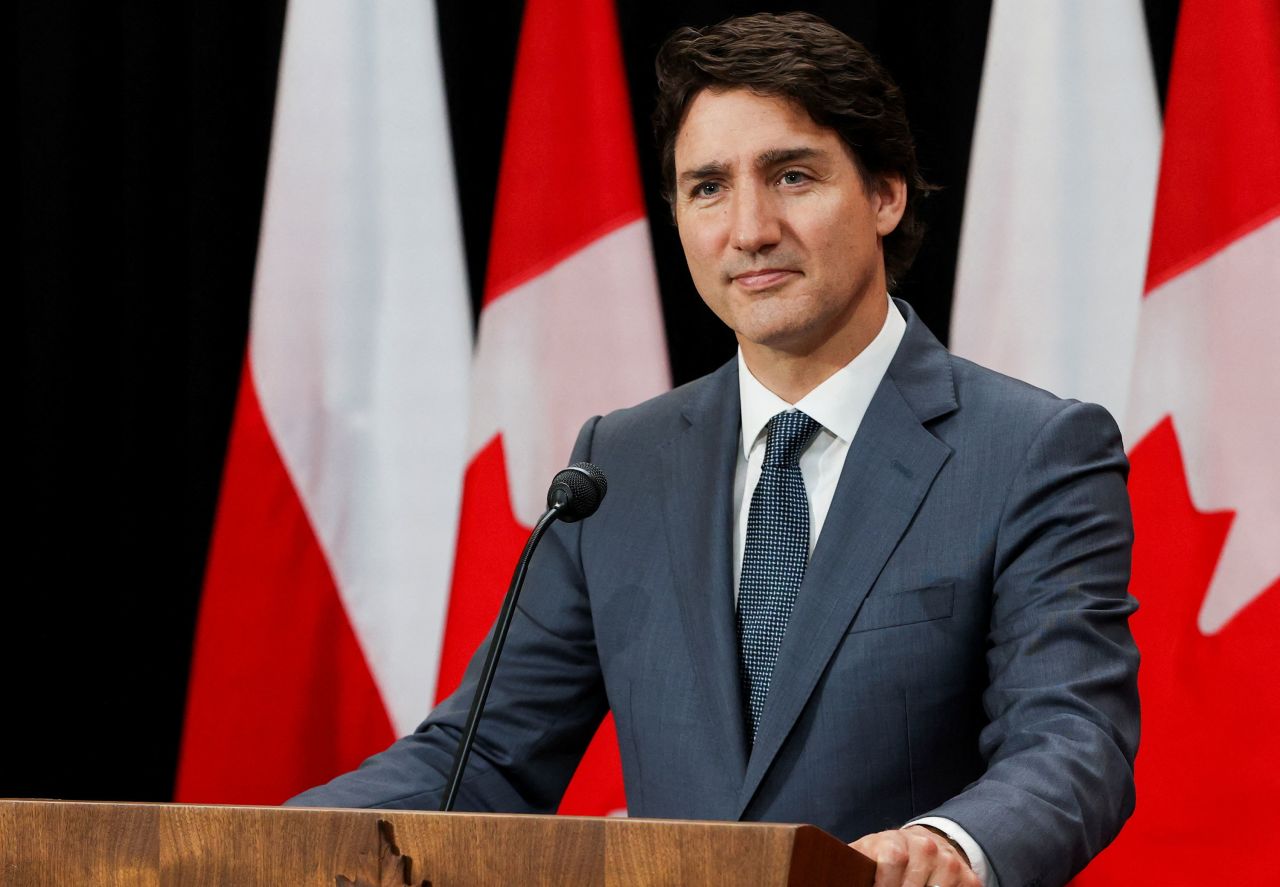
(755, 222)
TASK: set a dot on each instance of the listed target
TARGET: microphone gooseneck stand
(491, 658)
(575, 493)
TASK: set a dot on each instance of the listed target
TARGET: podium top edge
(167, 805)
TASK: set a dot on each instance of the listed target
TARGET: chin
(783, 339)
(784, 333)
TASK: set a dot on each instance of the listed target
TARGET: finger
(967, 876)
(923, 857)
(888, 851)
(950, 870)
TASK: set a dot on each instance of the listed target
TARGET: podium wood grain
(59, 843)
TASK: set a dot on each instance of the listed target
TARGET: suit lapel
(890, 466)
(698, 501)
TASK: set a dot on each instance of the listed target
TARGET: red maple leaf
(1206, 771)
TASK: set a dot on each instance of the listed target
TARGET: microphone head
(578, 491)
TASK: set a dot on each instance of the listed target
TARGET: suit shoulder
(977, 385)
(1010, 406)
(666, 411)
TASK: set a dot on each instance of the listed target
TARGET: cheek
(699, 241)
(704, 268)
(843, 244)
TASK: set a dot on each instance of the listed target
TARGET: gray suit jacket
(959, 645)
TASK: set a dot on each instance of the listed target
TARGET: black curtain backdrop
(143, 138)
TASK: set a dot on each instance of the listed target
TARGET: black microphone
(575, 493)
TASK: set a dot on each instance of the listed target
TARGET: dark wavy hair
(832, 76)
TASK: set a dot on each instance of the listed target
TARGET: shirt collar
(839, 403)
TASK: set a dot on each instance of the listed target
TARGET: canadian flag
(1050, 288)
(320, 623)
(1203, 427)
(571, 325)
(1059, 196)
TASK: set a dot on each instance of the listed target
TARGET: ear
(890, 202)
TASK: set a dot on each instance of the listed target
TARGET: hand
(916, 856)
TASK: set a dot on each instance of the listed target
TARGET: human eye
(793, 177)
(706, 189)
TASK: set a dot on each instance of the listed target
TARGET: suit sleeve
(545, 704)
(1062, 698)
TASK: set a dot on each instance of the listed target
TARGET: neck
(793, 373)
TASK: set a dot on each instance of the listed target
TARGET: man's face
(782, 238)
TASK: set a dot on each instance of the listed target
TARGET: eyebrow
(706, 171)
(770, 158)
(783, 156)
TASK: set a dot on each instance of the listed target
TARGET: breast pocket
(904, 608)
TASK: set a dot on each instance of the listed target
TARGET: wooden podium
(60, 843)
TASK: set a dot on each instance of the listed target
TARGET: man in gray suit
(847, 579)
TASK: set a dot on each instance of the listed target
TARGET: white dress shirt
(838, 405)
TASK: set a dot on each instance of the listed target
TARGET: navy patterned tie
(774, 558)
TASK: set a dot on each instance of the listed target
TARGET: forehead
(722, 126)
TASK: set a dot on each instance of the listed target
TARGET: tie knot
(789, 434)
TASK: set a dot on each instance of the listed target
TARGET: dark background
(143, 139)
